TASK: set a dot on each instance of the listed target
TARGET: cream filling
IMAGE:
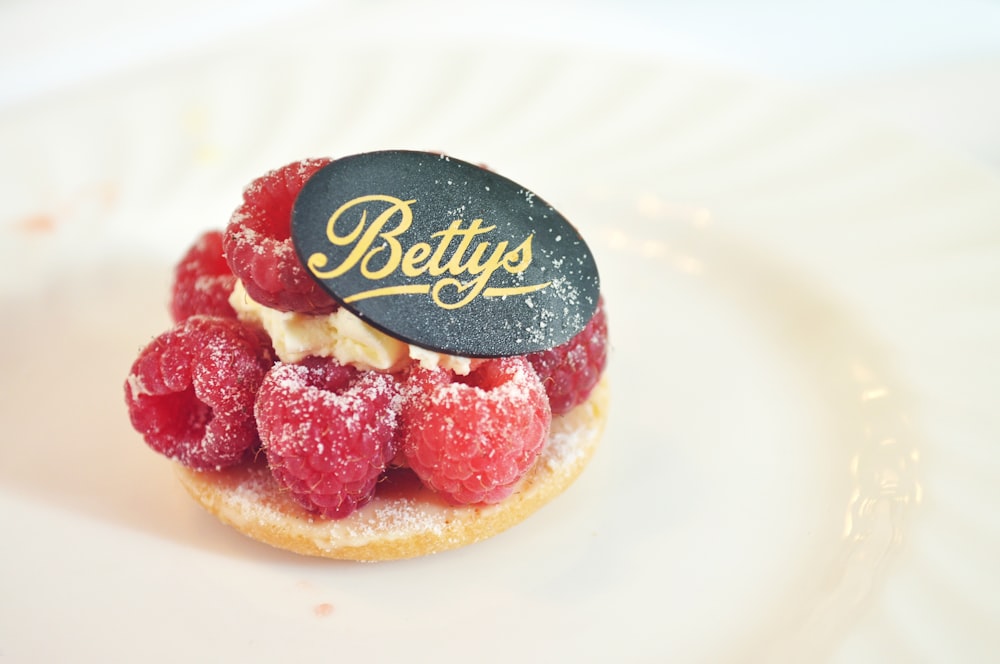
(340, 335)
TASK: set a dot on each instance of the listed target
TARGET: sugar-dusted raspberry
(203, 281)
(190, 392)
(570, 371)
(328, 432)
(258, 243)
(472, 438)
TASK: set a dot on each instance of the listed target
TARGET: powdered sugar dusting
(251, 501)
(258, 501)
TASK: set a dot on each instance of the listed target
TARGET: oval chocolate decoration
(445, 255)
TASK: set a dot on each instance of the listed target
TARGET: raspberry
(203, 281)
(570, 371)
(190, 392)
(472, 438)
(258, 243)
(328, 432)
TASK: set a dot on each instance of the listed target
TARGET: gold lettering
(363, 245)
(434, 267)
(454, 266)
(491, 265)
(475, 263)
(377, 251)
(519, 259)
(413, 258)
(471, 289)
(408, 289)
(475, 286)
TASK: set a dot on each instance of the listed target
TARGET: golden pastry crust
(404, 520)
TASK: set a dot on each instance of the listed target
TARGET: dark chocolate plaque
(445, 255)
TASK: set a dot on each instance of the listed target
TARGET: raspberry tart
(305, 423)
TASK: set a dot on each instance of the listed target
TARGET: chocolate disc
(445, 255)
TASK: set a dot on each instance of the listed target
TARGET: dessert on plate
(381, 356)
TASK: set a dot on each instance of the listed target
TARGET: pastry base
(404, 519)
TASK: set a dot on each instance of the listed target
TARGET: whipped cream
(340, 335)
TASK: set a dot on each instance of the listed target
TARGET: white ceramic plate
(801, 460)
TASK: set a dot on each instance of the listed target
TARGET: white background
(930, 67)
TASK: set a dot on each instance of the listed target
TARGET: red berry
(328, 432)
(190, 392)
(203, 281)
(570, 371)
(258, 243)
(472, 438)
